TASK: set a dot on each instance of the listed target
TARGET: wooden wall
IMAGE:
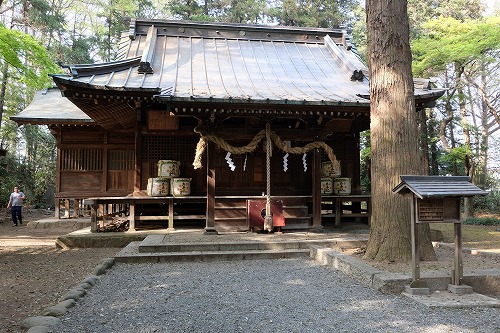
(93, 162)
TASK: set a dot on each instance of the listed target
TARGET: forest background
(455, 43)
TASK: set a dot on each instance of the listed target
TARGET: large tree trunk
(394, 130)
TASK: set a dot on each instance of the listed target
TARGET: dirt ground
(34, 274)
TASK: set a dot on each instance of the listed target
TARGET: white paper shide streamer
(285, 162)
(230, 162)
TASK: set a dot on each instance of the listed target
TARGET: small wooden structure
(192, 92)
(436, 199)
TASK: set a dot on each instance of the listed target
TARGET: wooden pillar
(338, 211)
(57, 207)
(210, 218)
(356, 180)
(415, 272)
(104, 158)
(131, 217)
(66, 208)
(170, 214)
(459, 267)
(93, 215)
(316, 189)
(138, 150)
(76, 208)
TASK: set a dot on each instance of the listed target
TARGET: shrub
(482, 221)
(489, 203)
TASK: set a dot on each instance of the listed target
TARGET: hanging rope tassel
(268, 220)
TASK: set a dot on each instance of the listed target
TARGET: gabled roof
(232, 69)
(232, 63)
(49, 107)
(438, 186)
(187, 61)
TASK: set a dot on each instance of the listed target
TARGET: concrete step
(157, 243)
(157, 248)
(131, 254)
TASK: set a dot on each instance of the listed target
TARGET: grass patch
(473, 236)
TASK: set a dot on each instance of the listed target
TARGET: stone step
(131, 254)
(157, 243)
(160, 248)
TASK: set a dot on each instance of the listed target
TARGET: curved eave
(67, 81)
(238, 101)
(38, 121)
(421, 96)
(84, 70)
(430, 95)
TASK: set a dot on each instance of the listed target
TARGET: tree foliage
(448, 40)
(463, 55)
(30, 60)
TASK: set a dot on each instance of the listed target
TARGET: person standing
(16, 201)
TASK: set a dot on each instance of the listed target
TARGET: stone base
(417, 291)
(459, 290)
(210, 231)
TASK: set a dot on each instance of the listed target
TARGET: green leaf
(23, 52)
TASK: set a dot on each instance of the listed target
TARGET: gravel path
(255, 296)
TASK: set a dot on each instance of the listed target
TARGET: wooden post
(338, 211)
(66, 208)
(459, 267)
(57, 208)
(210, 211)
(104, 159)
(93, 216)
(138, 150)
(316, 189)
(415, 273)
(170, 202)
(76, 208)
(131, 217)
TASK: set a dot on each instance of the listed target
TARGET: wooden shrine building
(192, 92)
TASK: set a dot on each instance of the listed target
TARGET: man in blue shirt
(16, 204)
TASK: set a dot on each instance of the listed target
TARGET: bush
(482, 221)
(488, 204)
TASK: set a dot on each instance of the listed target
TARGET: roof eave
(37, 121)
(68, 82)
(239, 101)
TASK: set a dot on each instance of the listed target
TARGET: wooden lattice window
(439, 210)
(81, 159)
(431, 210)
(121, 160)
(179, 148)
